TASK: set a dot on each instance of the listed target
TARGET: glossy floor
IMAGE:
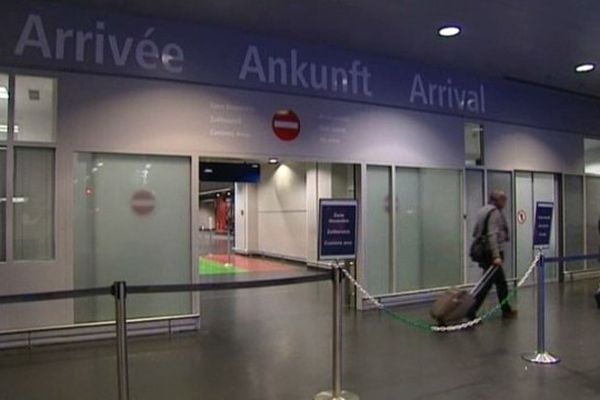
(274, 343)
(222, 264)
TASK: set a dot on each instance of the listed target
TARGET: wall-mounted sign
(337, 229)
(543, 223)
(521, 216)
(53, 36)
(229, 172)
(143, 202)
(286, 125)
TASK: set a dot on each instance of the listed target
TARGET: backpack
(480, 251)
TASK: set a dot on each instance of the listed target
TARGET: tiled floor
(274, 343)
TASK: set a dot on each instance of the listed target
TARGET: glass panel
(35, 109)
(427, 226)
(34, 204)
(592, 156)
(574, 220)
(592, 187)
(132, 223)
(379, 205)
(500, 180)
(544, 189)
(3, 106)
(473, 144)
(523, 236)
(475, 191)
(2, 203)
(342, 181)
(409, 235)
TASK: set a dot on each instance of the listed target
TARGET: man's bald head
(498, 198)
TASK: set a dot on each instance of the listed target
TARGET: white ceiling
(533, 40)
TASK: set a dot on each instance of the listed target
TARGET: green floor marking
(209, 267)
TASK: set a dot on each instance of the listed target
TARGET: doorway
(261, 216)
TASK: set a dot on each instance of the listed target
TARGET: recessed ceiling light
(449, 31)
(273, 160)
(585, 67)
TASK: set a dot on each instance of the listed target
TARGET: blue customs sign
(337, 229)
(543, 223)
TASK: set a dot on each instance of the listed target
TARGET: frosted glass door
(573, 189)
(429, 229)
(132, 223)
(502, 180)
(544, 189)
(379, 205)
(524, 229)
(475, 200)
(532, 188)
(593, 218)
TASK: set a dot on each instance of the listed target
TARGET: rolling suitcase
(454, 304)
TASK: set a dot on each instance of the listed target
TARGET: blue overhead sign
(337, 229)
(542, 230)
(52, 36)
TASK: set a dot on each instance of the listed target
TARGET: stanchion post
(337, 393)
(541, 356)
(120, 294)
(231, 214)
(229, 226)
(228, 264)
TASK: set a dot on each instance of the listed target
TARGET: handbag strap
(486, 222)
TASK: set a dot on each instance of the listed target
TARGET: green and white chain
(435, 328)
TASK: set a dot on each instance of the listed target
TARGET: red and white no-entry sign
(143, 202)
(521, 216)
(286, 125)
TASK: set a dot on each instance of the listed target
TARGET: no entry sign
(286, 125)
(143, 202)
(337, 229)
(521, 216)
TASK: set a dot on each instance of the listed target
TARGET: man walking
(492, 223)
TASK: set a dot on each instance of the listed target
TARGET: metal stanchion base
(328, 395)
(541, 358)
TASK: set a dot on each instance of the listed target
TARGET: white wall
(279, 216)
(511, 147)
(282, 211)
(319, 186)
(206, 214)
(246, 217)
(165, 117)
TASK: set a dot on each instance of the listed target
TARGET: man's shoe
(512, 314)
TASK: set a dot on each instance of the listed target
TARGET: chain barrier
(419, 324)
